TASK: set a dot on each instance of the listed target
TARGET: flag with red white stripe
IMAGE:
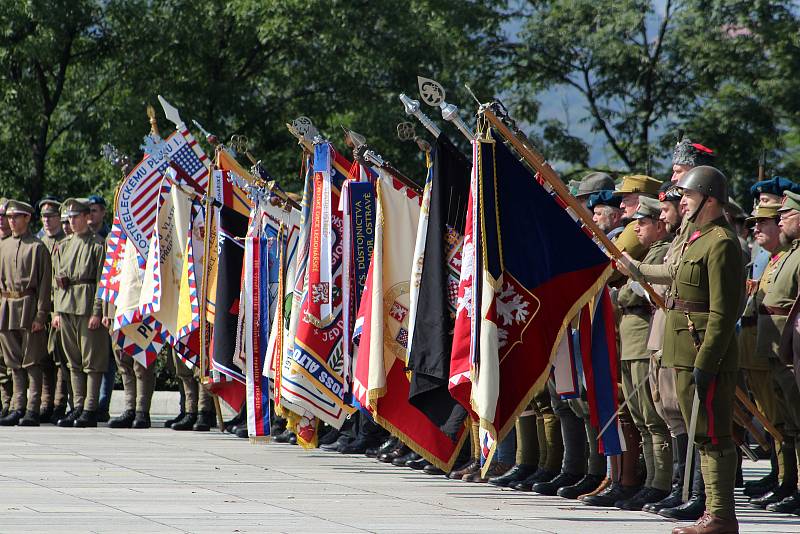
(137, 201)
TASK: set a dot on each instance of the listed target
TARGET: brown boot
(495, 470)
(603, 485)
(471, 467)
(710, 524)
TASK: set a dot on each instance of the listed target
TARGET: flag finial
(433, 94)
(171, 112)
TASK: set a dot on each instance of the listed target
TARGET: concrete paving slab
(158, 480)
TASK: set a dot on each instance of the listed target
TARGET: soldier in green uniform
(634, 329)
(755, 367)
(55, 374)
(6, 388)
(699, 340)
(25, 278)
(773, 312)
(685, 157)
(77, 265)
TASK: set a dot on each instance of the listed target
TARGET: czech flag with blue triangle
(539, 268)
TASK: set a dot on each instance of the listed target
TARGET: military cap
(76, 206)
(604, 198)
(17, 207)
(648, 207)
(774, 186)
(764, 211)
(593, 183)
(669, 193)
(95, 199)
(638, 183)
(791, 201)
(692, 154)
(49, 206)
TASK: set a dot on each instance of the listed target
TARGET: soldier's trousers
(6, 387)
(527, 439)
(789, 401)
(138, 382)
(596, 463)
(197, 396)
(718, 455)
(548, 432)
(56, 387)
(656, 441)
(665, 396)
(761, 385)
(23, 353)
(87, 358)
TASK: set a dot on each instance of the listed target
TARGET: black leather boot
(670, 501)
(516, 474)
(58, 413)
(12, 419)
(691, 510)
(205, 422)
(30, 419)
(551, 487)
(123, 420)
(587, 484)
(68, 421)
(540, 475)
(169, 422)
(789, 505)
(141, 420)
(87, 419)
(612, 494)
(186, 423)
(644, 496)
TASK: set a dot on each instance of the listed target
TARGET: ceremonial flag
(466, 329)
(437, 275)
(137, 199)
(314, 380)
(301, 421)
(599, 352)
(160, 295)
(108, 288)
(255, 303)
(380, 380)
(538, 269)
(358, 211)
(565, 372)
(187, 343)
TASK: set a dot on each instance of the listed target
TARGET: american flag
(137, 201)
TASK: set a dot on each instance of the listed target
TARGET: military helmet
(706, 180)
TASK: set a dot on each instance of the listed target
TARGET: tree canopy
(75, 74)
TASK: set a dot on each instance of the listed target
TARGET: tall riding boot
(695, 507)
(679, 445)
(629, 476)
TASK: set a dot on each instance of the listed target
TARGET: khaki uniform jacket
(634, 327)
(781, 293)
(25, 272)
(80, 259)
(710, 272)
(748, 357)
(51, 242)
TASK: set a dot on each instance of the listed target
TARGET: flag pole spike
(475, 98)
(433, 94)
(412, 108)
(365, 154)
(151, 114)
(171, 112)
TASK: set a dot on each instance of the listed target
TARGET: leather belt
(690, 306)
(637, 310)
(774, 310)
(63, 282)
(17, 294)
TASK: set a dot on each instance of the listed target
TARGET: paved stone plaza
(102, 480)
